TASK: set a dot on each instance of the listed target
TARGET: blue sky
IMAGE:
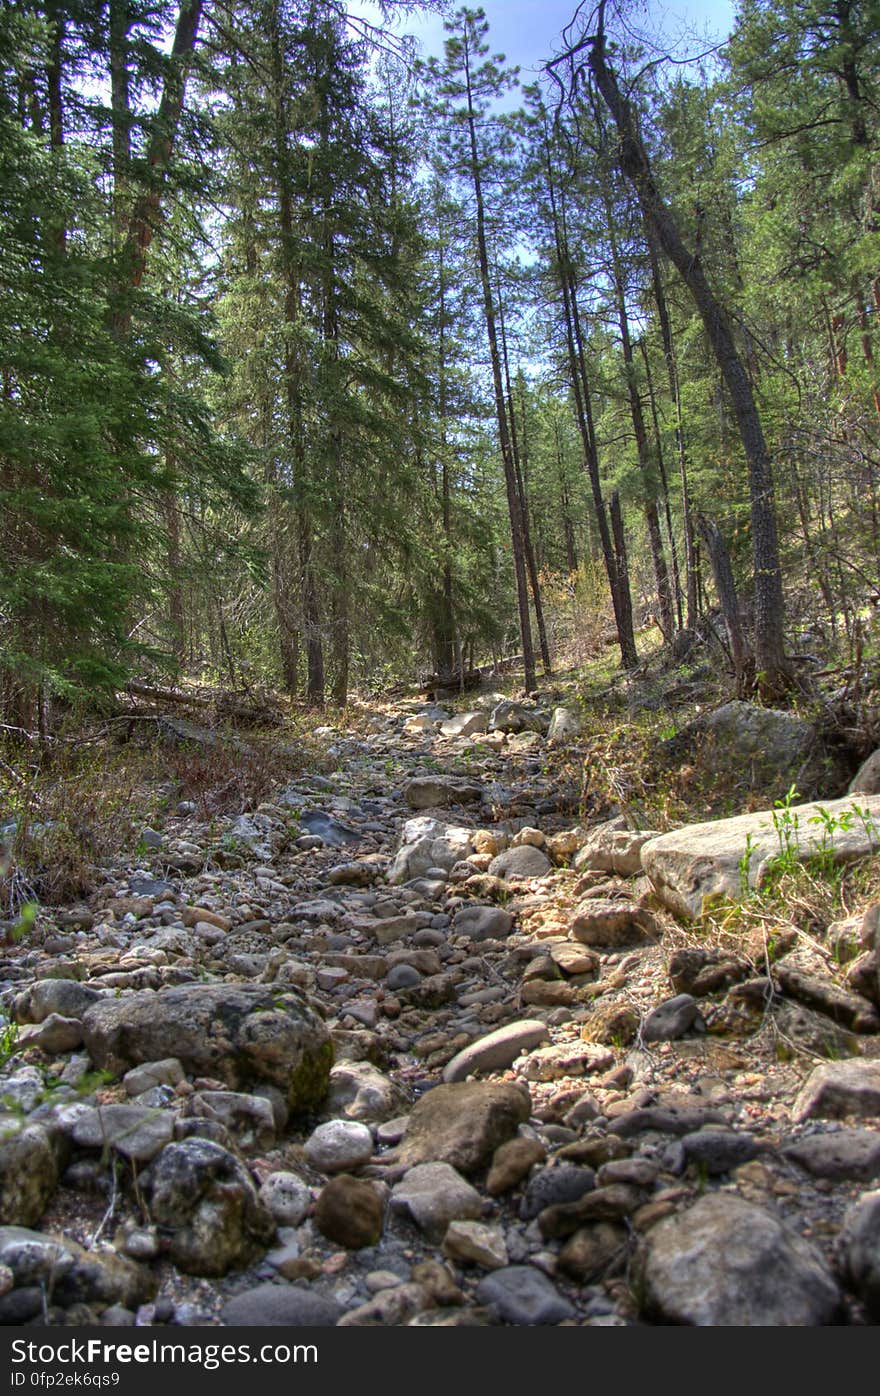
(527, 31)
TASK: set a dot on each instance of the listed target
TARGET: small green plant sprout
(8, 1042)
(786, 822)
(27, 920)
(831, 824)
(868, 822)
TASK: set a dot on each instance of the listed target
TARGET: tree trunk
(621, 600)
(774, 671)
(516, 528)
(144, 219)
(652, 519)
(719, 559)
(528, 550)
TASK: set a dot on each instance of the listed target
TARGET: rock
(475, 1243)
(512, 1162)
(609, 924)
(463, 1124)
(523, 1295)
(866, 780)
(842, 1155)
(768, 748)
(390, 1307)
(427, 843)
(566, 1059)
(464, 725)
(330, 831)
(360, 1091)
(859, 1249)
(243, 1034)
(339, 1145)
(204, 1196)
(402, 977)
(508, 716)
(349, 1212)
(281, 1306)
(72, 1274)
(66, 997)
(725, 1262)
(837, 1089)
(820, 992)
(497, 1049)
(672, 1019)
(287, 1197)
(716, 1151)
(433, 792)
(28, 1172)
(592, 1251)
(575, 959)
(696, 971)
(611, 1023)
(134, 1131)
(523, 862)
(707, 860)
(168, 1072)
(482, 923)
(565, 725)
(248, 1118)
(352, 875)
(557, 1184)
(434, 1194)
(609, 848)
(610, 1203)
(53, 1035)
(863, 976)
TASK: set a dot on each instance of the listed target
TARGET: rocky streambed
(411, 1045)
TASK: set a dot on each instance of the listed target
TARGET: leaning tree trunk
(774, 671)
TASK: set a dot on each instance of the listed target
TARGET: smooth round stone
(339, 1145)
(402, 977)
(280, 1306)
(287, 1197)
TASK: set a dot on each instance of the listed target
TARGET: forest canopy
(322, 362)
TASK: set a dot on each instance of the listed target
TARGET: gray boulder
(726, 1263)
(203, 1197)
(727, 857)
(28, 1172)
(859, 1249)
(242, 1034)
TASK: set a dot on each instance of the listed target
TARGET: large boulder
(204, 1198)
(866, 780)
(613, 848)
(727, 857)
(725, 1262)
(242, 1034)
(69, 1274)
(463, 1124)
(769, 749)
(429, 843)
(859, 1249)
(28, 1172)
